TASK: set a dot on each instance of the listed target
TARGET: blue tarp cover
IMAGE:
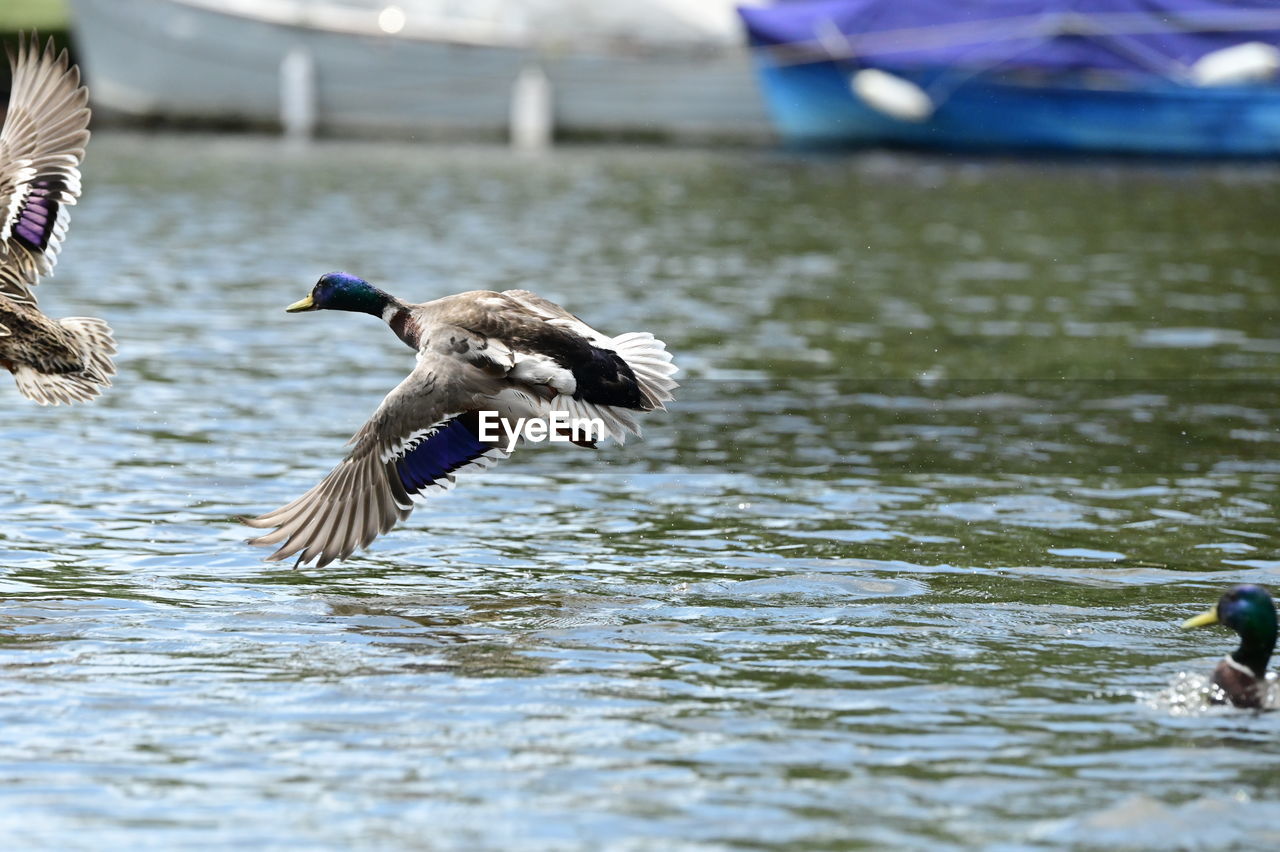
(1149, 36)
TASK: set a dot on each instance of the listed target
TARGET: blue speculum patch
(38, 215)
(452, 446)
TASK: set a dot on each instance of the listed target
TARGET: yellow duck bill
(1207, 617)
(306, 304)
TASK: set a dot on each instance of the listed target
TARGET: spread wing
(423, 435)
(41, 146)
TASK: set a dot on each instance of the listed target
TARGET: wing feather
(41, 147)
(416, 443)
(554, 315)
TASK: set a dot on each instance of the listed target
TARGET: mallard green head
(339, 291)
(1250, 612)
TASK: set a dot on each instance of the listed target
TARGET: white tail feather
(96, 346)
(649, 359)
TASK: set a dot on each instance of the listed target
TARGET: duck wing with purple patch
(423, 435)
(41, 146)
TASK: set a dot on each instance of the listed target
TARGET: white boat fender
(892, 95)
(1251, 62)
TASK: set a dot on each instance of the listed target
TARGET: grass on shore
(44, 15)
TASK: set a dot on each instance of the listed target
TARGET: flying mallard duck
(41, 145)
(482, 356)
(1242, 674)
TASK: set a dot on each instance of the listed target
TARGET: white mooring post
(531, 121)
(298, 94)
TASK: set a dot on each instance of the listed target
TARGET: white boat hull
(181, 62)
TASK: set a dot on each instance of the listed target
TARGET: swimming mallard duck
(485, 361)
(41, 146)
(1250, 612)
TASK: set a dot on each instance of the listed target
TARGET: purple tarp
(1153, 36)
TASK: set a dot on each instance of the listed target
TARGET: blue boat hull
(812, 104)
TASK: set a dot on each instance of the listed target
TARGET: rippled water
(959, 445)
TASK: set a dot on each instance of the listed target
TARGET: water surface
(959, 445)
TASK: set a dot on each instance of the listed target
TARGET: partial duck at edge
(41, 147)
(1251, 613)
